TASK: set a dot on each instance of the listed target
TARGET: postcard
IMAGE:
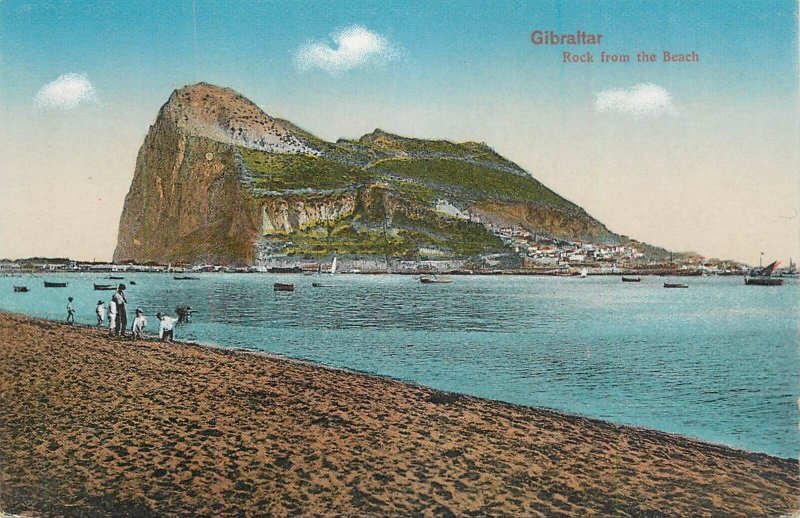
(361, 258)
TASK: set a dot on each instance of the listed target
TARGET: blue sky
(138, 47)
(459, 71)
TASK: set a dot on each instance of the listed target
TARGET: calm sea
(717, 361)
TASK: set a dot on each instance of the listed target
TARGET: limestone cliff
(217, 180)
(186, 202)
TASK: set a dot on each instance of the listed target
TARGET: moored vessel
(434, 279)
(763, 276)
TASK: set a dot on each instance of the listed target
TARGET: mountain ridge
(236, 185)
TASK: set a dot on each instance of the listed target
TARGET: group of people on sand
(118, 317)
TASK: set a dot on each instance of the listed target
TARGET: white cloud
(640, 100)
(353, 46)
(66, 92)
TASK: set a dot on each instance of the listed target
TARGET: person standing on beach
(122, 318)
(165, 327)
(112, 316)
(138, 324)
(100, 311)
(70, 311)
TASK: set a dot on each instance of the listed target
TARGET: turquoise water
(717, 361)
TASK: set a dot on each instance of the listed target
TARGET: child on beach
(165, 327)
(112, 317)
(100, 311)
(70, 311)
(184, 312)
(138, 324)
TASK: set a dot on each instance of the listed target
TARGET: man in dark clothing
(122, 319)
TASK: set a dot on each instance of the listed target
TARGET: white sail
(584, 272)
(333, 265)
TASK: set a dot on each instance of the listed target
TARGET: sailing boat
(763, 276)
(791, 271)
(433, 278)
(332, 271)
(584, 273)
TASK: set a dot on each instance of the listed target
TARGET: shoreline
(556, 413)
(524, 456)
(572, 272)
(446, 393)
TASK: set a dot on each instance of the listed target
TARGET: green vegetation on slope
(278, 172)
(403, 238)
(469, 181)
(415, 192)
(348, 238)
(383, 141)
(480, 182)
(395, 195)
(462, 238)
(380, 144)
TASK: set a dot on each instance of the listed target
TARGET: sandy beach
(94, 426)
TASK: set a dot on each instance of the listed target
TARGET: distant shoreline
(535, 273)
(108, 424)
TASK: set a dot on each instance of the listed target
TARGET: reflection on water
(717, 361)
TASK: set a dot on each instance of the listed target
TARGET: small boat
(434, 279)
(321, 285)
(116, 278)
(280, 286)
(132, 283)
(48, 284)
(675, 285)
(584, 273)
(185, 278)
(631, 279)
(20, 289)
(104, 287)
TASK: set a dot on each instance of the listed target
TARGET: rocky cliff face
(217, 180)
(186, 202)
(283, 215)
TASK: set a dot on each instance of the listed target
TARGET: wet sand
(95, 426)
